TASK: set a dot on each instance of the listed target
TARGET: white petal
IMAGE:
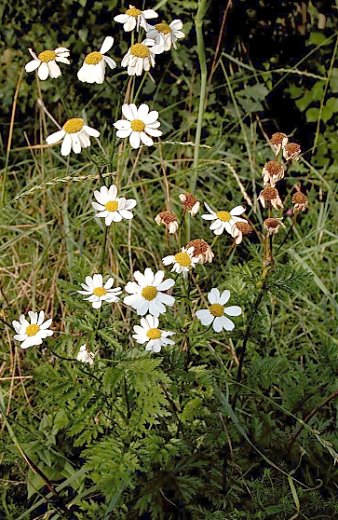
(135, 139)
(56, 137)
(234, 310)
(121, 18)
(146, 139)
(238, 210)
(107, 44)
(32, 65)
(54, 69)
(130, 24)
(224, 297)
(227, 324)
(91, 131)
(218, 324)
(214, 296)
(204, 316)
(110, 62)
(43, 71)
(66, 145)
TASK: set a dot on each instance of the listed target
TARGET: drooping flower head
(97, 293)
(141, 57)
(202, 250)
(166, 34)
(94, 65)
(272, 173)
(135, 18)
(291, 151)
(270, 195)
(224, 220)
(46, 62)
(110, 207)
(150, 334)
(168, 219)
(33, 332)
(75, 135)
(147, 294)
(300, 201)
(216, 313)
(183, 261)
(190, 203)
(272, 225)
(278, 141)
(139, 124)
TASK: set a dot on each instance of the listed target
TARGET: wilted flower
(224, 220)
(183, 261)
(190, 203)
(291, 152)
(85, 356)
(202, 250)
(166, 34)
(272, 225)
(46, 64)
(34, 332)
(300, 201)
(98, 293)
(149, 333)
(94, 65)
(270, 195)
(138, 125)
(134, 17)
(169, 219)
(141, 56)
(110, 207)
(272, 172)
(216, 312)
(75, 134)
(278, 141)
(240, 229)
(147, 294)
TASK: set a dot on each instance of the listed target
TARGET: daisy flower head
(291, 151)
(97, 293)
(85, 356)
(189, 203)
(183, 261)
(46, 62)
(271, 196)
(147, 294)
(139, 125)
(224, 220)
(273, 172)
(75, 135)
(272, 225)
(278, 141)
(34, 331)
(110, 207)
(149, 333)
(141, 56)
(166, 34)
(168, 219)
(134, 17)
(94, 65)
(202, 250)
(216, 313)
(241, 229)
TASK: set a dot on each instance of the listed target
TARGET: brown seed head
(188, 201)
(273, 168)
(299, 198)
(200, 246)
(269, 193)
(244, 227)
(167, 217)
(277, 138)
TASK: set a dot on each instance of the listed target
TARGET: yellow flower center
(216, 309)
(73, 125)
(154, 333)
(149, 292)
(139, 50)
(163, 28)
(132, 11)
(137, 125)
(111, 205)
(93, 58)
(224, 216)
(99, 291)
(183, 259)
(47, 56)
(32, 329)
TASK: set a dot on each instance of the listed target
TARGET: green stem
(103, 254)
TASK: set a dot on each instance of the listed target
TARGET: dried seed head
(190, 203)
(300, 201)
(272, 225)
(269, 193)
(169, 219)
(244, 227)
(272, 172)
(291, 151)
(278, 141)
(202, 250)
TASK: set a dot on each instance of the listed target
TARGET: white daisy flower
(94, 65)
(33, 332)
(216, 312)
(147, 294)
(139, 125)
(46, 64)
(85, 356)
(166, 34)
(149, 333)
(224, 220)
(98, 293)
(183, 261)
(141, 56)
(134, 17)
(75, 134)
(110, 207)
